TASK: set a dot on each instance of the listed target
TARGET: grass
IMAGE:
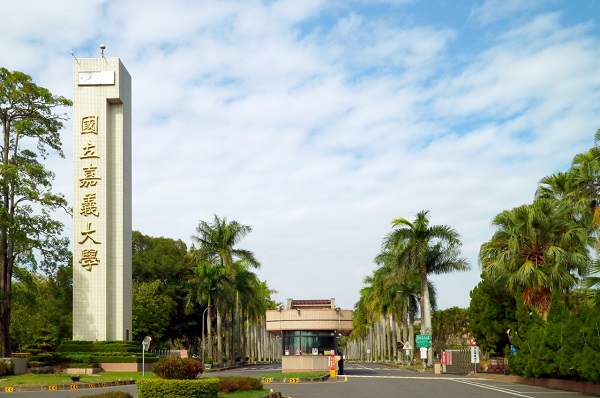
(303, 375)
(31, 379)
(244, 394)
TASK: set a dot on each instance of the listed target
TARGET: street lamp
(203, 312)
(145, 346)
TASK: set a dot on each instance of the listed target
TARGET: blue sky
(319, 122)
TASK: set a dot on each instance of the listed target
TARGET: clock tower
(101, 200)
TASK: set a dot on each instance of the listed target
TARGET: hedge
(162, 388)
(99, 346)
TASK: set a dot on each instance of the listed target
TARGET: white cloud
(319, 122)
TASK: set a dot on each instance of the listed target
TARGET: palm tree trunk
(219, 358)
(210, 349)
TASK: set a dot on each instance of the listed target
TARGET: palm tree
(427, 250)
(536, 249)
(219, 240)
(592, 284)
(204, 288)
(400, 289)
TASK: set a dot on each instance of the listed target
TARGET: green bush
(160, 388)
(100, 346)
(232, 383)
(178, 368)
(5, 367)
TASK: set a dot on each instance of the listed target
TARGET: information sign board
(475, 354)
(423, 340)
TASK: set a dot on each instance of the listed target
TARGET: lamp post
(338, 310)
(145, 346)
(203, 312)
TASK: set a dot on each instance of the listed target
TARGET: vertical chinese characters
(89, 206)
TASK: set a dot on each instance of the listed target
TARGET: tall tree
(43, 308)
(152, 310)
(427, 250)
(27, 230)
(491, 313)
(218, 241)
(536, 249)
(165, 260)
(204, 288)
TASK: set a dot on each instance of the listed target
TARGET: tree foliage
(161, 269)
(43, 309)
(540, 255)
(491, 313)
(28, 232)
(152, 310)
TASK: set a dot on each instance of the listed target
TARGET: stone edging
(59, 387)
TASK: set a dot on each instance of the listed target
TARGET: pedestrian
(341, 363)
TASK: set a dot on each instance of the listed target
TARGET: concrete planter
(19, 365)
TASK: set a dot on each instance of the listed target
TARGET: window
(303, 342)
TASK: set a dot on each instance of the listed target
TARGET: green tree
(491, 314)
(42, 308)
(450, 328)
(536, 248)
(166, 260)
(161, 259)
(427, 250)
(27, 230)
(151, 310)
(592, 284)
(204, 288)
(219, 241)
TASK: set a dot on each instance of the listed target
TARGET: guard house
(309, 332)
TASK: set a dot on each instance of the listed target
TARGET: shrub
(232, 383)
(5, 367)
(178, 368)
(157, 388)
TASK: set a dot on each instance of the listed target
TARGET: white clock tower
(102, 200)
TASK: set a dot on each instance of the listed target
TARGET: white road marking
(488, 387)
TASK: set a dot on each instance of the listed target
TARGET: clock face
(86, 78)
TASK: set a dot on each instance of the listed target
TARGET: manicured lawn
(57, 379)
(303, 375)
(107, 377)
(243, 394)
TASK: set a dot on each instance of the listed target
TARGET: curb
(62, 387)
(293, 380)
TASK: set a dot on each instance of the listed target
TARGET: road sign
(407, 346)
(475, 354)
(472, 341)
(423, 340)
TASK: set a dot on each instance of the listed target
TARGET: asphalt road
(366, 380)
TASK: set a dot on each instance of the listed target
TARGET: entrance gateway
(309, 331)
(102, 200)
